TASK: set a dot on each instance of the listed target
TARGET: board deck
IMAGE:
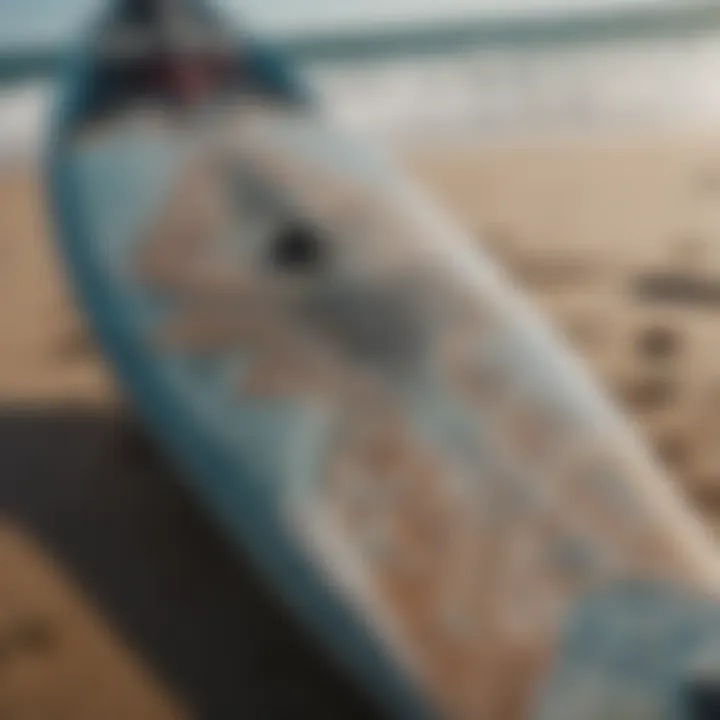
(370, 406)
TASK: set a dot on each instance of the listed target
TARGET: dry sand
(46, 356)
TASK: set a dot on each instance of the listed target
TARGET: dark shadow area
(96, 493)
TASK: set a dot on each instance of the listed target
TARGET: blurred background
(579, 141)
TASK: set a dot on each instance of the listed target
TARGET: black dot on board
(298, 248)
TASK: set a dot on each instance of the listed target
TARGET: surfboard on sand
(362, 399)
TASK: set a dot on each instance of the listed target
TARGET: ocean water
(479, 90)
(50, 21)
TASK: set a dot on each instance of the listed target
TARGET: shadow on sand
(91, 488)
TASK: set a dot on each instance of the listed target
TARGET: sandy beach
(589, 227)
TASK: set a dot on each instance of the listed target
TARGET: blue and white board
(363, 400)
